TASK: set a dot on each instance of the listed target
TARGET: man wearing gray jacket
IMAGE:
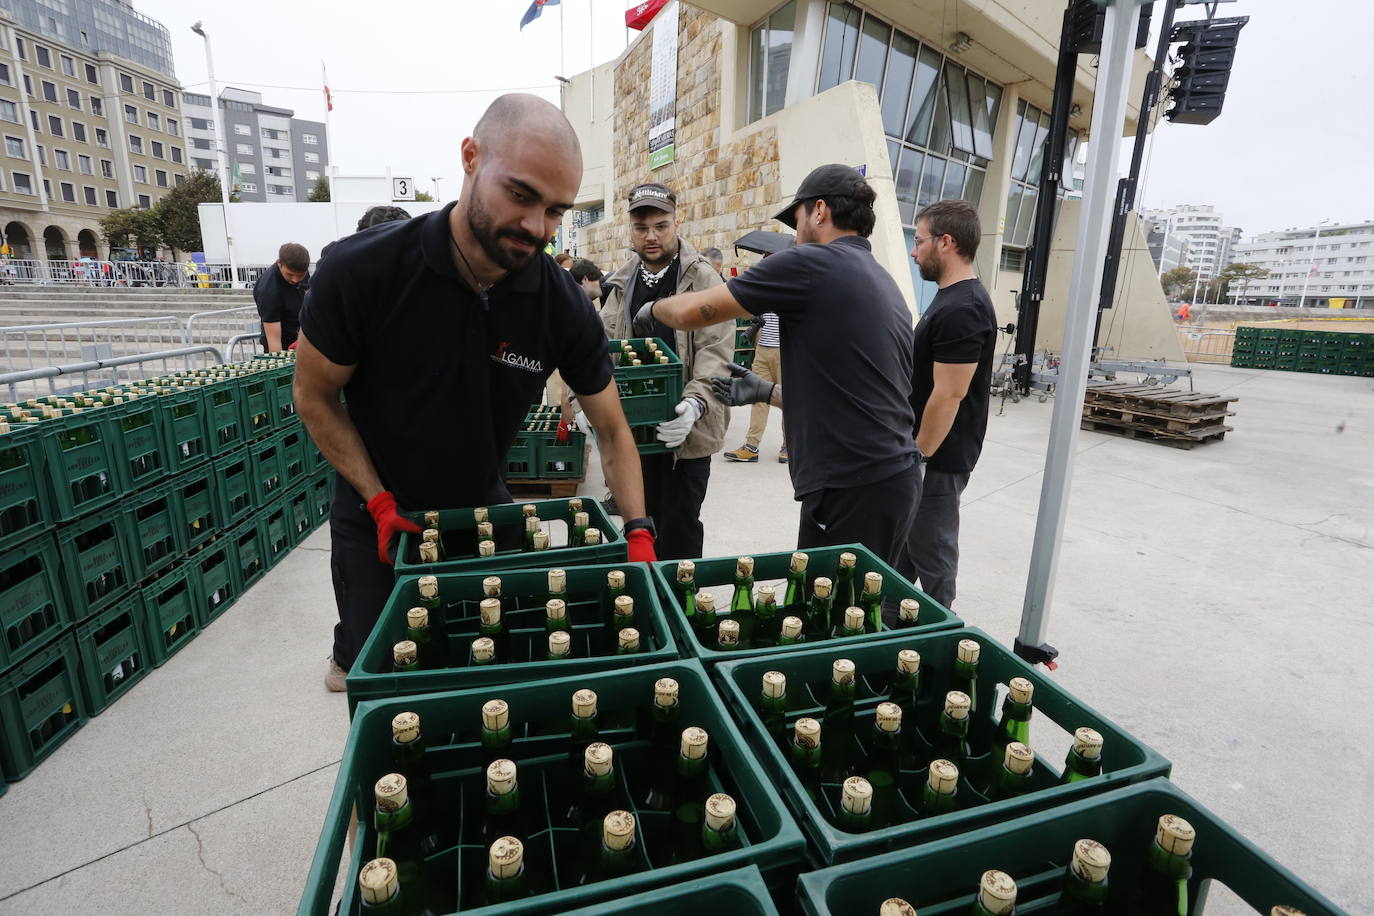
(665, 265)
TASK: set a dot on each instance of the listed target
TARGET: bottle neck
(773, 706)
(1172, 866)
(503, 804)
(393, 821)
(496, 737)
(805, 756)
(1080, 889)
(584, 726)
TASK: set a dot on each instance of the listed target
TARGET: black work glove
(753, 328)
(743, 388)
(643, 323)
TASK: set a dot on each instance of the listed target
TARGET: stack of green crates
(744, 346)
(649, 392)
(537, 454)
(1293, 350)
(122, 515)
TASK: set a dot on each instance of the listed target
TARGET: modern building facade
(273, 155)
(1169, 251)
(1211, 243)
(90, 116)
(1325, 266)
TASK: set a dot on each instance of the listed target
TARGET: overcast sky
(1291, 147)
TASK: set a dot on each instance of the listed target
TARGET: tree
(179, 215)
(132, 228)
(424, 196)
(1178, 281)
(1233, 272)
(320, 192)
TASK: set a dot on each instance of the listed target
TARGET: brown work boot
(334, 678)
(782, 455)
(745, 453)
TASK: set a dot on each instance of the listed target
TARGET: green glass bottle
(1084, 759)
(1016, 713)
(615, 587)
(400, 837)
(574, 506)
(1084, 888)
(950, 740)
(431, 518)
(594, 790)
(431, 536)
(795, 595)
(592, 537)
(496, 735)
(529, 510)
(855, 814)
(432, 654)
(691, 788)
(792, 632)
(773, 704)
(906, 683)
(627, 642)
(852, 623)
(845, 596)
(705, 620)
(556, 616)
(664, 727)
(687, 585)
(1162, 888)
(612, 850)
(743, 601)
(767, 620)
(584, 727)
(404, 656)
(719, 831)
(623, 612)
(818, 610)
(965, 678)
(429, 553)
(502, 806)
(1013, 774)
(884, 769)
(505, 879)
(532, 527)
(839, 721)
(486, 549)
(727, 636)
(408, 750)
(379, 889)
(804, 753)
(996, 895)
(484, 532)
(560, 645)
(871, 600)
(492, 625)
(558, 585)
(482, 652)
(580, 522)
(940, 793)
(428, 588)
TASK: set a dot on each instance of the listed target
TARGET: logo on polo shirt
(528, 364)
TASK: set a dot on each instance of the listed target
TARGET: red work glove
(564, 428)
(390, 524)
(640, 546)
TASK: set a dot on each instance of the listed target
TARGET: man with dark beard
(951, 381)
(441, 331)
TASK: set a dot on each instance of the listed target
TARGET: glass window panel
(873, 52)
(982, 128)
(841, 38)
(757, 54)
(1013, 205)
(901, 64)
(780, 26)
(973, 188)
(1069, 181)
(922, 97)
(908, 175)
(931, 182)
(892, 151)
(1042, 131)
(994, 102)
(940, 129)
(1025, 136)
(1025, 220)
(960, 121)
(954, 181)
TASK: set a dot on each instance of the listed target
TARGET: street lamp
(436, 179)
(223, 155)
(1312, 262)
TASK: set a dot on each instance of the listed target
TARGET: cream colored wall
(588, 102)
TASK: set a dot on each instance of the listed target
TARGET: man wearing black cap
(665, 265)
(846, 348)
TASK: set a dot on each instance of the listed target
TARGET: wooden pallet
(1164, 402)
(562, 488)
(1149, 420)
(1172, 439)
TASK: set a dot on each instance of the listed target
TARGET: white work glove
(583, 424)
(673, 433)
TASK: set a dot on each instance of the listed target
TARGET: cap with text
(650, 194)
(834, 180)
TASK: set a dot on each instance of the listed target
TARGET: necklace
(650, 280)
(481, 288)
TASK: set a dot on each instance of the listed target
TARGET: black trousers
(673, 494)
(877, 515)
(362, 583)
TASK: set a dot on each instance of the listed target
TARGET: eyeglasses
(920, 240)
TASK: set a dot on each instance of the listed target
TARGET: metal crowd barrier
(100, 273)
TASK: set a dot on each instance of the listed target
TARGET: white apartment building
(1210, 242)
(1330, 265)
(273, 156)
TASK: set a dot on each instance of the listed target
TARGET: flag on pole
(640, 15)
(238, 179)
(535, 9)
(328, 99)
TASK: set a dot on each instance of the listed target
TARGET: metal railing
(97, 373)
(98, 273)
(221, 325)
(1206, 345)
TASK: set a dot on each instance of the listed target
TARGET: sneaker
(782, 455)
(745, 453)
(334, 679)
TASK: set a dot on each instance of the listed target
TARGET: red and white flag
(328, 99)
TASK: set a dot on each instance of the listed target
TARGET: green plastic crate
(197, 505)
(537, 453)
(280, 381)
(169, 602)
(649, 393)
(449, 721)
(562, 460)
(1124, 759)
(33, 607)
(251, 562)
(266, 472)
(739, 892)
(717, 575)
(274, 524)
(460, 542)
(137, 436)
(322, 495)
(114, 653)
(300, 513)
(217, 579)
(95, 561)
(41, 706)
(24, 509)
(525, 591)
(155, 530)
(185, 434)
(291, 451)
(81, 464)
(234, 487)
(523, 456)
(314, 458)
(223, 415)
(255, 402)
(940, 878)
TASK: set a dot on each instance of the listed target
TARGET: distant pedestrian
(717, 260)
(279, 293)
(563, 260)
(591, 279)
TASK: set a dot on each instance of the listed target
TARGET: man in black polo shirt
(441, 331)
(956, 341)
(846, 364)
(279, 293)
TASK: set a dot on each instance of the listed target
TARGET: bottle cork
(807, 733)
(909, 661)
(1087, 743)
(1018, 758)
(490, 611)
(624, 606)
(853, 618)
(665, 692)
(491, 586)
(744, 567)
(968, 651)
(495, 715)
(842, 671)
(403, 653)
(557, 609)
(774, 684)
(791, 627)
(1175, 835)
(528, 510)
(720, 812)
(857, 795)
(957, 705)
(480, 515)
(377, 882)
(1020, 690)
(1283, 910)
(596, 759)
(636, 363)
(575, 504)
(694, 741)
(485, 531)
(581, 519)
(618, 830)
(873, 583)
(888, 717)
(483, 649)
(728, 634)
(506, 857)
(430, 535)
(390, 792)
(501, 777)
(584, 703)
(405, 727)
(1091, 861)
(650, 344)
(896, 906)
(541, 540)
(429, 552)
(822, 587)
(417, 618)
(799, 561)
(558, 581)
(615, 578)
(943, 777)
(686, 571)
(591, 537)
(706, 602)
(560, 644)
(532, 524)
(768, 595)
(628, 639)
(432, 518)
(997, 892)
(429, 587)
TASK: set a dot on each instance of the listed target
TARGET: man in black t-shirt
(846, 364)
(950, 384)
(441, 331)
(279, 293)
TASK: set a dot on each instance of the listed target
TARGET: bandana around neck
(651, 279)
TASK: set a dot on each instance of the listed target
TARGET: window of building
(47, 189)
(248, 186)
(135, 143)
(28, 85)
(312, 158)
(92, 75)
(278, 171)
(280, 190)
(43, 56)
(310, 139)
(126, 82)
(131, 114)
(244, 149)
(149, 91)
(243, 130)
(180, 179)
(176, 154)
(33, 118)
(97, 106)
(312, 175)
(85, 165)
(78, 131)
(247, 168)
(140, 174)
(1031, 127)
(9, 111)
(88, 193)
(172, 127)
(73, 99)
(102, 138)
(55, 126)
(154, 121)
(106, 168)
(22, 52)
(200, 143)
(204, 164)
(42, 156)
(200, 124)
(62, 160)
(157, 150)
(169, 98)
(276, 153)
(144, 202)
(770, 52)
(21, 182)
(68, 65)
(68, 192)
(161, 176)
(14, 146)
(5, 77)
(111, 199)
(49, 91)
